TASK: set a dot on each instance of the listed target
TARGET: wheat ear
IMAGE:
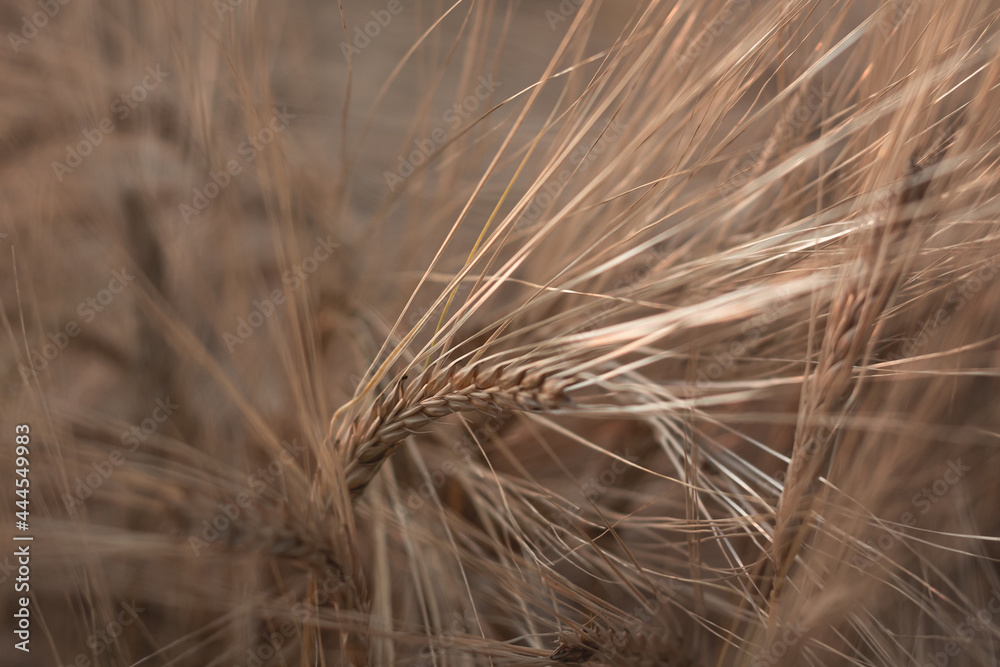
(436, 393)
(856, 307)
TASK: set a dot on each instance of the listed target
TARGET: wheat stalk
(860, 301)
(437, 393)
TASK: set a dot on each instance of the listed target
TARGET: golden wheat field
(468, 332)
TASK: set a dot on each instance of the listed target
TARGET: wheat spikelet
(434, 394)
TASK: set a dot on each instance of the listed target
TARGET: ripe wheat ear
(434, 394)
